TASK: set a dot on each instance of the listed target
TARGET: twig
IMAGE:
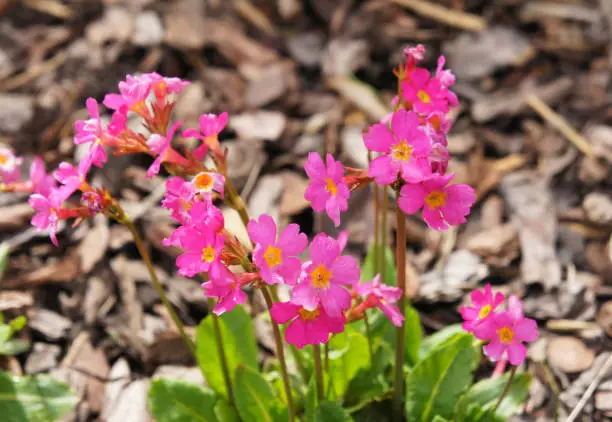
(444, 15)
(589, 391)
(558, 122)
(50, 7)
(34, 72)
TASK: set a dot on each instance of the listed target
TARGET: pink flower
(415, 53)
(424, 93)
(447, 79)
(179, 198)
(206, 182)
(306, 326)
(442, 205)
(483, 310)
(225, 286)
(42, 182)
(161, 145)
(375, 293)
(70, 177)
(507, 333)
(47, 208)
(9, 166)
(203, 252)
(91, 132)
(322, 278)
(326, 190)
(203, 217)
(277, 260)
(211, 126)
(405, 149)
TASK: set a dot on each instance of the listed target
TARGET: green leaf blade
(179, 401)
(329, 411)
(255, 399)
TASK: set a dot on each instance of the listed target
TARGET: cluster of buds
(505, 329)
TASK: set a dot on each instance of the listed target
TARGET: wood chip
(569, 354)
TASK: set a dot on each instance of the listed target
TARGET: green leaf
(34, 398)
(18, 323)
(225, 413)
(371, 383)
(348, 353)
(329, 411)
(255, 399)
(382, 327)
(367, 269)
(179, 401)
(438, 339)
(479, 402)
(5, 333)
(5, 250)
(435, 384)
(239, 346)
(439, 418)
(14, 347)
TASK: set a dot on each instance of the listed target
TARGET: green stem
(377, 261)
(326, 353)
(222, 356)
(383, 232)
(366, 322)
(316, 351)
(280, 353)
(125, 220)
(400, 256)
(506, 388)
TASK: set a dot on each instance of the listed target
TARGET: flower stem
(222, 356)
(506, 388)
(316, 351)
(326, 353)
(383, 231)
(280, 353)
(377, 260)
(400, 256)
(366, 322)
(125, 220)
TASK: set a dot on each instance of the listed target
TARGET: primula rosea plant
(347, 344)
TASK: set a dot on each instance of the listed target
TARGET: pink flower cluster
(505, 330)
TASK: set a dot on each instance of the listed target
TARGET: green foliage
(180, 401)
(368, 267)
(4, 254)
(255, 399)
(348, 353)
(34, 398)
(435, 384)
(371, 383)
(329, 411)
(225, 413)
(238, 343)
(12, 346)
(478, 403)
(438, 338)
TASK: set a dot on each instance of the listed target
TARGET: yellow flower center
(203, 181)
(321, 276)
(505, 335)
(402, 151)
(307, 315)
(273, 256)
(484, 312)
(208, 254)
(3, 159)
(436, 199)
(331, 186)
(423, 96)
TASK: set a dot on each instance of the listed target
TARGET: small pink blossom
(507, 333)
(483, 309)
(442, 205)
(161, 145)
(306, 326)
(9, 166)
(225, 286)
(326, 190)
(277, 260)
(47, 208)
(203, 252)
(70, 177)
(415, 54)
(405, 149)
(179, 198)
(447, 79)
(206, 182)
(42, 182)
(426, 94)
(211, 126)
(91, 132)
(93, 201)
(322, 278)
(203, 217)
(382, 296)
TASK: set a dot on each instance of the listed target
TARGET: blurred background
(532, 134)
